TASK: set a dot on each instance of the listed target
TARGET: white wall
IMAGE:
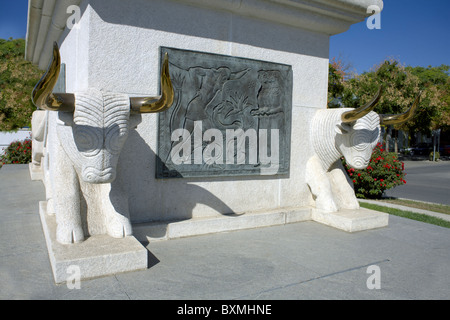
(116, 49)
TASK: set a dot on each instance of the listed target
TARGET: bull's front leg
(115, 209)
(342, 187)
(319, 184)
(66, 196)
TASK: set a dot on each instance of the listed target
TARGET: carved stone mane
(327, 141)
(323, 136)
(109, 111)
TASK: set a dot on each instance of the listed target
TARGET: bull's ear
(342, 128)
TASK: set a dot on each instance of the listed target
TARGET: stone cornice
(324, 16)
(47, 18)
(46, 22)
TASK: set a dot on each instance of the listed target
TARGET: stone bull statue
(85, 134)
(353, 134)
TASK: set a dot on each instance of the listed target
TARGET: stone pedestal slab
(346, 220)
(226, 223)
(352, 220)
(97, 256)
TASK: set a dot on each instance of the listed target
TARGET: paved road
(425, 181)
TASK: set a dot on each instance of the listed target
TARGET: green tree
(436, 80)
(401, 87)
(335, 86)
(444, 111)
(338, 73)
(431, 75)
(17, 80)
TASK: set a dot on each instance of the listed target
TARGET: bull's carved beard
(100, 129)
(324, 137)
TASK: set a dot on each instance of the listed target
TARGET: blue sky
(416, 33)
(13, 18)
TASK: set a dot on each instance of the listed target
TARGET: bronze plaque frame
(229, 94)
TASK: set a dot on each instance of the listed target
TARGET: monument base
(103, 255)
(97, 256)
(346, 220)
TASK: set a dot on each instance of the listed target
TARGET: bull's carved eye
(89, 140)
(361, 139)
(115, 139)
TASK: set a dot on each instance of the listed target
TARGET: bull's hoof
(65, 235)
(119, 227)
(352, 206)
(326, 204)
(50, 207)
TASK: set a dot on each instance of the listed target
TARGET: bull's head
(94, 123)
(359, 130)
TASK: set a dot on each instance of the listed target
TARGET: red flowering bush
(384, 172)
(18, 152)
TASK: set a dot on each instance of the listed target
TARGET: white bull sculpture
(353, 134)
(85, 134)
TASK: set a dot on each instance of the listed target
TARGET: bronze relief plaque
(231, 116)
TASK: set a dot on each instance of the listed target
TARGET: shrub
(17, 79)
(384, 172)
(436, 156)
(18, 152)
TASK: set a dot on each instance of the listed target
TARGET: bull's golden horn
(391, 119)
(157, 104)
(353, 115)
(42, 95)
(45, 99)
